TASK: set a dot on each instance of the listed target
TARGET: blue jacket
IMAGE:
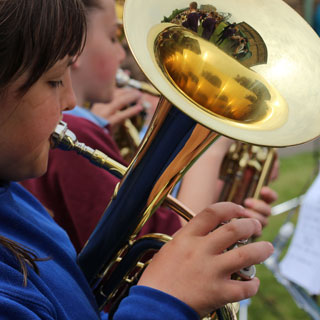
(60, 291)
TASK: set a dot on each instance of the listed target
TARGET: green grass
(273, 302)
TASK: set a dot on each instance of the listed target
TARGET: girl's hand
(260, 209)
(125, 104)
(195, 266)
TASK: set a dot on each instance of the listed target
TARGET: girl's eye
(114, 37)
(56, 84)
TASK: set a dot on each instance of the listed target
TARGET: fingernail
(242, 210)
(270, 245)
(146, 104)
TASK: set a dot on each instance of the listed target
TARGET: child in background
(38, 272)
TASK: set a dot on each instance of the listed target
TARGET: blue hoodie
(60, 291)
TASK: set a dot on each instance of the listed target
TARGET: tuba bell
(206, 92)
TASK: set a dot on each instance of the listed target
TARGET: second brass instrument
(245, 170)
(127, 134)
(123, 79)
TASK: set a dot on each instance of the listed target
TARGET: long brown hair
(34, 35)
(23, 255)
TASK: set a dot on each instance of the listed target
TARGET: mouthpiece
(65, 139)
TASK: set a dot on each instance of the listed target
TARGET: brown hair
(34, 35)
(193, 5)
(92, 4)
(23, 255)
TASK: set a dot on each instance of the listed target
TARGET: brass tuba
(206, 92)
(245, 169)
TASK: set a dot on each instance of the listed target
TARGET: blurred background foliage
(273, 302)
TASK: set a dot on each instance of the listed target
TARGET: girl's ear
(77, 63)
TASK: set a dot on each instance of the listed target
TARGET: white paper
(301, 264)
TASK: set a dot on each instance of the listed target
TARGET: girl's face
(94, 73)
(26, 122)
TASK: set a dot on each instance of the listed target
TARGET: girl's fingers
(259, 206)
(239, 290)
(211, 217)
(128, 97)
(229, 234)
(258, 216)
(120, 116)
(268, 195)
(260, 209)
(120, 101)
(244, 256)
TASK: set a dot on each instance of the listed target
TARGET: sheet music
(301, 264)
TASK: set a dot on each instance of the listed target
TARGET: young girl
(37, 44)
(39, 277)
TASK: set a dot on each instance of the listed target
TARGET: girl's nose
(68, 99)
